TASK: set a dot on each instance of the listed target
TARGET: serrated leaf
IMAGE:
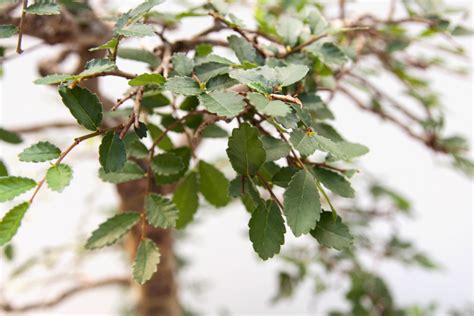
(59, 177)
(333, 234)
(44, 7)
(340, 150)
(290, 74)
(261, 79)
(146, 261)
(275, 148)
(83, 105)
(207, 71)
(186, 199)
(11, 187)
(302, 205)
(144, 79)
(137, 30)
(7, 30)
(223, 103)
(55, 78)
(167, 164)
(140, 55)
(40, 152)
(112, 153)
(245, 150)
(182, 64)
(183, 85)
(96, 66)
(289, 29)
(265, 106)
(220, 82)
(303, 142)
(110, 231)
(213, 185)
(334, 182)
(160, 211)
(329, 53)
(10, 137)
(143, 8)
(267, 230)
(243, 49)
(131, 171)
(11, 222)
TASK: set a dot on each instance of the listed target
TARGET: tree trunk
(158, 297)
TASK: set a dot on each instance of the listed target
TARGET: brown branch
(84, 286)
(41, 127)
(20, 29)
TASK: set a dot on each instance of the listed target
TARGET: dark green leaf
(160, 211)
(84, 106)
(183, 85)
(112, 153)
(141, 55)
(213, 184)
(275, 148)
(334, 182)
(223, 103)
(9, 137)
(130, 171)
(11, 222)
(243, 50)
(7, 30)
(146, 261)
(167, 164)
(182, 64)
(44, 7)
(186, 199)
(332, 233)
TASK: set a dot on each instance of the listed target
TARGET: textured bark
(158, 297)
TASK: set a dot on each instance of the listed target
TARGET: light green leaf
(186, 199)
(143, 8)
(10, 137)
(40, 152)
(317, 22)
(144, 79)
(290, 74)
(223, 103)
(333, 234)
(58, 177)
(289, 29)
(210, 70)
(11, 222)
(302, 205)
(265, 106)
(110, 231)
(44, 7)
(275, 148)
(111, 44)
(261, 79)
(140, 55)
(11, 187)
(329, 53)
(340, 150)
(304, 142)
(167, 164)
(267, 230)
(130, 171)
(160, 211)
(55, 78)
(146, 261)
(112, 153)
(7, 30)
(182, 64)
(96, 66)
(245, 150)
(137, 30)
(83, 105)
(244, 51)
(214, 185)
(183, 85)
(334, 182)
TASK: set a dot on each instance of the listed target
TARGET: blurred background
(224, 275)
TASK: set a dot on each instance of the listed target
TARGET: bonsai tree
(267, 88)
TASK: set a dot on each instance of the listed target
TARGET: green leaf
(317, 22)
(167, 164)
(160, 211)
(3, 169)
(245, 150)
(213, 184)
(11, 187)
(340, 150)
(7, 30)
(137, 30)
(182, 64)
(290, 74)
(267, 230)
(332, 233)
(289, 29)
(304, 142)
(275, 148)
(220, 82)
(186, 199)
(140, 55)
(112, 153)
(156, 133)
(110, 231)
(44, 7)
(83, 105)
(183, 85)
(146, 261)
(96, 66)
(143, 8)
(302, 205)
(111, 44)
(144, 79)
(223, 103)
(207, 71)
(40, 152)
(334, 182)
(9, 137)
(244, 51)
(214, 131)
(58, 177)
(265, 106)
(11, 222)
(130, 171)
(328, 53)
(55, 78)
(261, 79)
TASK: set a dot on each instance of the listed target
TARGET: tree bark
(157, 297)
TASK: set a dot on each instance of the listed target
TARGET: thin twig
(20, 30)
